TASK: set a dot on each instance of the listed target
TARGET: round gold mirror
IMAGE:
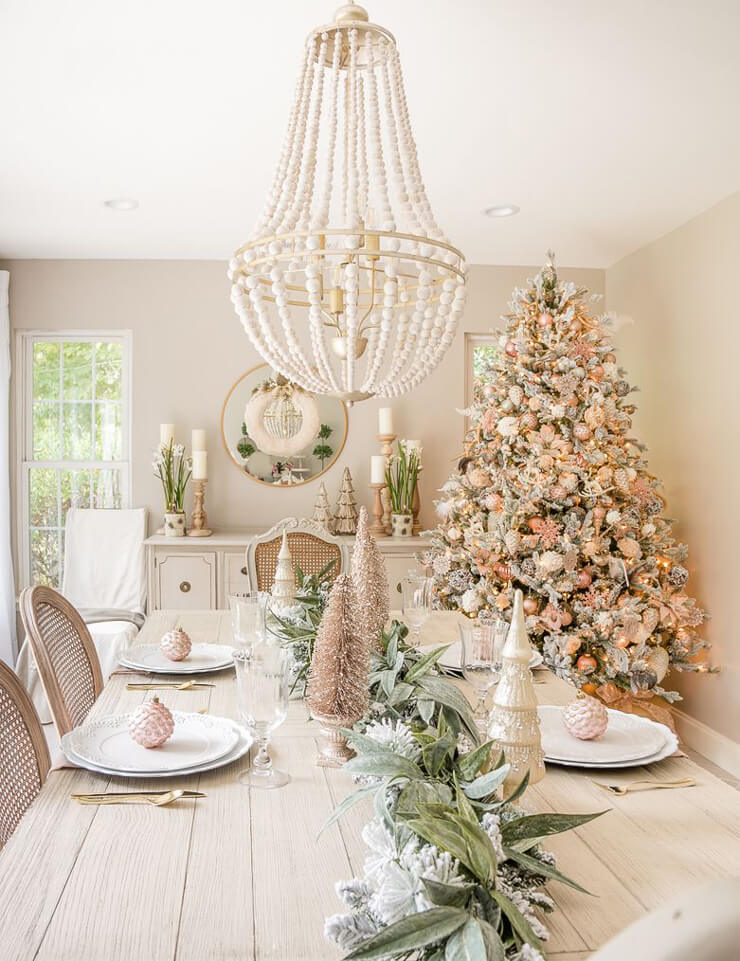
(278, 434)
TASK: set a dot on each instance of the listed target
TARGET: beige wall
(682, 351)
(188, 348)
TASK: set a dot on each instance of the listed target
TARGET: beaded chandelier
(347, 286)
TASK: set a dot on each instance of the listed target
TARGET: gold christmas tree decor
(345, 516)
(371, 584)
(338, 680)
(321, 510)
(514, 725)
(283, 587)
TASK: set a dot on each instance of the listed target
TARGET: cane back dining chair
(311, 547)
(24, 756)
(65, 655)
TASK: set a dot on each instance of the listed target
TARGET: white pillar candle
(377, 469)
(200, 465)
(166, 434)
(198, 441)
(385, 420)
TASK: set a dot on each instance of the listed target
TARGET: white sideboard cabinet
(199, 573)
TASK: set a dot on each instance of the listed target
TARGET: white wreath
(254, 414)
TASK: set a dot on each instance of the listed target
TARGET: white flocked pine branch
(338, 681)
(371, 584)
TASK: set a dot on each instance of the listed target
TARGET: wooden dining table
(241, 874)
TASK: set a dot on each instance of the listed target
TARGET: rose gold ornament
(583, 580)
(566, 618)
(176, 645)
(544, 320)
(586, 664)
(621, 640)
(534, 523)
(151, 724)
(582, 432)
(529, 421)
(572, 645)
(530, 605)
(503, 571)
(557, 493)
(510, 348)
(596, 373)
(585, 718)
(610, 358)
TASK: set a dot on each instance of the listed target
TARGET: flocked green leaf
(415, 931)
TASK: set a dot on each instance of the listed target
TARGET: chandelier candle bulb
(198, 441)
(200, 465)
(166, 434)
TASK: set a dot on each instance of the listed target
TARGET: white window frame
(25, 340)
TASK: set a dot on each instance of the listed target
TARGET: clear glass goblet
(262, 697)
(480, 663)
(416, 593)
(248, 617)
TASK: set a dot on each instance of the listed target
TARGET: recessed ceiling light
(501, 210)
(122, 203)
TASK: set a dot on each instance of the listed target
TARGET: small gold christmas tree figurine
(371, 584)
(345, 516)
(283, 587)
(338, 681)
(321, 510)
(514, 724)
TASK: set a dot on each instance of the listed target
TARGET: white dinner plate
(243, 743)
(197, 739)
(450, 660)
(629, 741)
(202, 659)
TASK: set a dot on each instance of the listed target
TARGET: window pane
(45, 558)
(108, 434)
(484, 356)
(45, 431)
(77, 374)
(42, 497)
(107, 488)
(108, 359)
(75, 490)
(77, 432)
(45, 370)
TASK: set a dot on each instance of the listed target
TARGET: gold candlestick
(377, 528)
(386, 448)
(416, 506)
(199, 518)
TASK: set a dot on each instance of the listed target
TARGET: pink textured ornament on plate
(151, 724)
(176, 645)
(586, 718)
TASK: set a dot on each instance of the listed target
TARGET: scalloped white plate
(242, 746)
(629, 741)
(202, 658)
(197, 739)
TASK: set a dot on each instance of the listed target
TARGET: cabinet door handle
(244, 571)
(185, 586)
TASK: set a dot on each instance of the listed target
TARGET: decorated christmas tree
(345, 516)
(338, 680)
(553, 496)
(321, 510)
(371, 584)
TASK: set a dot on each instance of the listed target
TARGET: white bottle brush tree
(554, 496)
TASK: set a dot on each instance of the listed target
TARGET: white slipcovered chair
(699, 925)
(105, 579)
(311, 548)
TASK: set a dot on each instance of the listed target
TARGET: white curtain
(7, 590)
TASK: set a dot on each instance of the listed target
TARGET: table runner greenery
(453, 873)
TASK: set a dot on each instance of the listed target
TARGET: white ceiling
(608, 123)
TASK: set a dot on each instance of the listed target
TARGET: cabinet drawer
(235, 569)
(186, 581)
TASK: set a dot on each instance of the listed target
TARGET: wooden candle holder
(377, 528)
(386, 449)
(199, 518)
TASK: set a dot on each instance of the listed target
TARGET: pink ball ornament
(151, 724)
(510, 348)
(545, 320)
(586, 718)
(176, 645)
(581, 431)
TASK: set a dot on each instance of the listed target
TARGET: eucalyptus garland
(452, 872)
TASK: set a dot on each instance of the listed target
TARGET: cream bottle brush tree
(554, 496)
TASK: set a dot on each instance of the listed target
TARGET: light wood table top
(240, 875)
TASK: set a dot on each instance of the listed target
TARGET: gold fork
(619, 790)
(157, 798)
(173, 685)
